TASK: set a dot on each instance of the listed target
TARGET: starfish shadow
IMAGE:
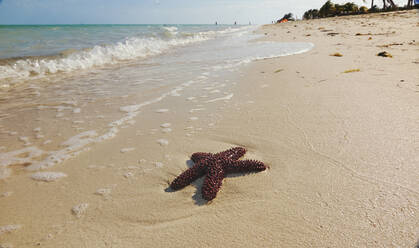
(197, 197)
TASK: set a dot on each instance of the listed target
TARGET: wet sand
(342, 150)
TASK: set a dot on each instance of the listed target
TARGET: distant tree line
(330, 9)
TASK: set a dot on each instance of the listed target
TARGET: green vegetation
(330, 9)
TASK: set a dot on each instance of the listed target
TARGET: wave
(131, 48)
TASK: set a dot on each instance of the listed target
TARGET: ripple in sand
(48, 176)
(80, 209)
(163, 142)
(162, 110)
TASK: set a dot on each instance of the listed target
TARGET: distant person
(235, 23)
(216, 23)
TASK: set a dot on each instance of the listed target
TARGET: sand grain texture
(342, 150)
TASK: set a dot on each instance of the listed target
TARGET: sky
(155, 11)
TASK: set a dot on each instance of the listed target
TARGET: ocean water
(64, 88)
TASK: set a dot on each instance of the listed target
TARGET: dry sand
(343, 151)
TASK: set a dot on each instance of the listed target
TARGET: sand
(342, 150)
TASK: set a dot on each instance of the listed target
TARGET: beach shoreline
(339, 135)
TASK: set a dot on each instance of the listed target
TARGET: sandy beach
(340, 135)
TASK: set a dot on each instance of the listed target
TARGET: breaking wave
(99, 55)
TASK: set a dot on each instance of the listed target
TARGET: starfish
(215, 167)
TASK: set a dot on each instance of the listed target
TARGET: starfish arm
(233, 153)
(197, 156)
(244, 166)
(213, 181)
(188, 176)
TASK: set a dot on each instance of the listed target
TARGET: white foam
(25, 140)
(103, 192)
(162, 110)
(163, 142)
(228, 97)
(22, 156)
(166, 130)
(48, 176)
(130, 108)
(9, 228)
(194, 110)
(125, 150)
(6, 245)
(193, 118)
(39, 136)
(131, 48)
(5, 172)
(128, 174)
(80, 209)
(165, 125)
(7, 194)
(71, 148)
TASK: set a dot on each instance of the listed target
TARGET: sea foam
(99, 55)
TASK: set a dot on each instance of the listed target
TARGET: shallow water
(52, 106)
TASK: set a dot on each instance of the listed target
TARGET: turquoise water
(65, 88)
(39, 40)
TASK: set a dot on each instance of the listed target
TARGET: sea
(64, 88)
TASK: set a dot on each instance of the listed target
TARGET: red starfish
(215, 167)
